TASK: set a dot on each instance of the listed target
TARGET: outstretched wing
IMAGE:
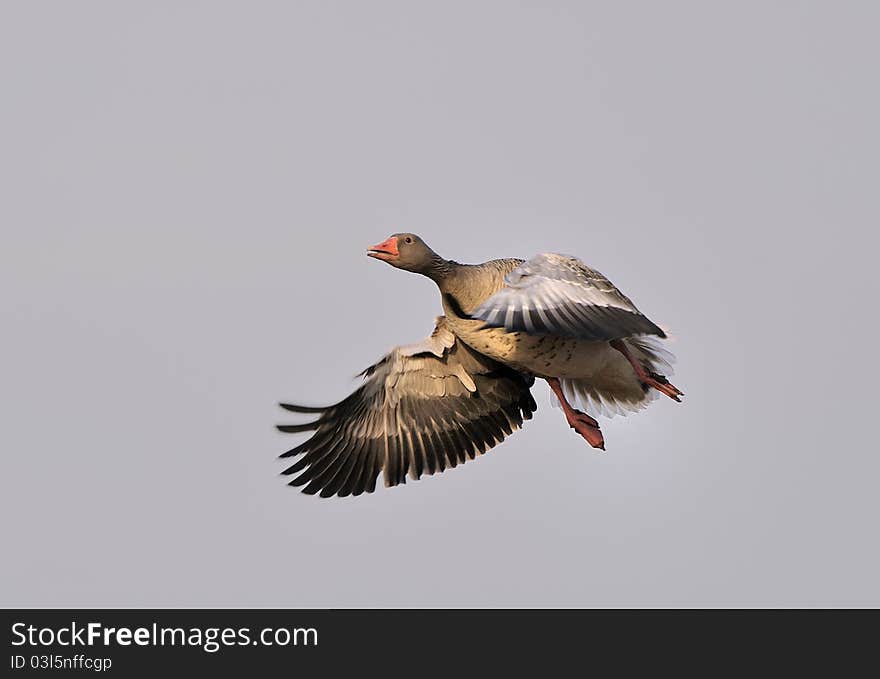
(422, 408)
(554, 294)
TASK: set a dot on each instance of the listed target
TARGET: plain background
(188, 192)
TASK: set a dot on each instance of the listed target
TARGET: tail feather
(594, 397)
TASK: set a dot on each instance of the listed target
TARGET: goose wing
(553, 294)
(422, 408)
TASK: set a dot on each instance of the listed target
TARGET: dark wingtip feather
(659, 332)
(300, 480)
(292, 407)
(301, 448)
(296, 428)
(296, 466)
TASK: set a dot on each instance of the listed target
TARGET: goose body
(439, 402)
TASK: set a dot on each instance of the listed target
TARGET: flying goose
(442, 401)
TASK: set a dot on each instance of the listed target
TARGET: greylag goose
(451, 397)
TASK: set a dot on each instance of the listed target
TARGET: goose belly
(542, 356)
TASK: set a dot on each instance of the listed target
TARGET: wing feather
(553, 294)
(422, 408)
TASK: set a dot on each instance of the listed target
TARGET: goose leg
(582, 423)
(650, 379)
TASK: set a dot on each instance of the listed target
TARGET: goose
(449, 398)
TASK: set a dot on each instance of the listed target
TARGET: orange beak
(386, 250)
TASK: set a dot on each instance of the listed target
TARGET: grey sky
(189, 191)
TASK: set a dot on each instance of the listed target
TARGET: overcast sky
(189, 189)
